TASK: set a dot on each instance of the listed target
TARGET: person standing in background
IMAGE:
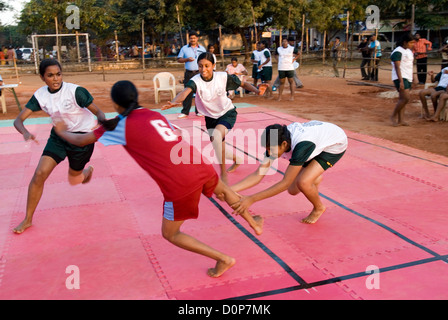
(375, 47)
(188, 54)
(336, 55)
(366, 57)
(444, 51)
(420, 48)
(255, 58)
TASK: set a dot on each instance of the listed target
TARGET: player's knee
(74, 180)
(168, 235)
(293, 189)
(39, 177)
(304, 185)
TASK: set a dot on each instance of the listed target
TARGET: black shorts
(255, 73)
(266, 74)
(59, 149)
(286, 74)
(228, 120)
(326, 160)
(406, 82)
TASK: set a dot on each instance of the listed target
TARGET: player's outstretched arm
(78, 139)
(177, 101)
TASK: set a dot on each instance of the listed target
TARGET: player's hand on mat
(171, 105)
(242, 205)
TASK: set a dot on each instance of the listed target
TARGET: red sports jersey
(149, 138)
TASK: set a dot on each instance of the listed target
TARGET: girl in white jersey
(311, 148)
(71, 104)
(212, 101)
(402, 75)
(287, 55)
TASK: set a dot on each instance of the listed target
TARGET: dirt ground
(363, 109)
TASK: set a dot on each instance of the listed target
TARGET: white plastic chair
(164, 81)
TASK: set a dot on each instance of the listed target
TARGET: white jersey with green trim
(327, 137)
(62, 105)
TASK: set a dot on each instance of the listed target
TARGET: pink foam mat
(385, 204)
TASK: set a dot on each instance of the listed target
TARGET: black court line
(336, 279)
(268, 251)
(382, 225)
(341, 278)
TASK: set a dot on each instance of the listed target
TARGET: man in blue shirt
(188, 55)
(375, 47)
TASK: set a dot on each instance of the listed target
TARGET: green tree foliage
(102, 17)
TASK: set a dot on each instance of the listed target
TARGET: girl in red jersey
(212, 101)
(149, 138)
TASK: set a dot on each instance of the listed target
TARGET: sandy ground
(363, 109)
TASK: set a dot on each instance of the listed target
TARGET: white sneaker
(181, 116)
(199, 115)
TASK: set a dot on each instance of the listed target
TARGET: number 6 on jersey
(164, 130)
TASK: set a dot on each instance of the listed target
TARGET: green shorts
(228, 120)
(255, 73)
(286, 74)
(266, 74)
(58, 149)
(326, 160)
(407, 84)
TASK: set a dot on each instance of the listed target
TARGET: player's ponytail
(125, 94)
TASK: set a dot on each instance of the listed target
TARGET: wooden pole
(88, 52)
(255, 25)
(301, 45)
(180, 26)
(77, 47)
(57, 39)
(323, 46)
(116, 46)
(346, 42)
(221, 48)
(143, 47)
(307, 41)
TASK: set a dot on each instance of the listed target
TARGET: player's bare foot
(394, 123)
(221, 267)
(291, 99)
(314, 216)
(22, 227)
(433, 119)
(258, 228)
(88, 174)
